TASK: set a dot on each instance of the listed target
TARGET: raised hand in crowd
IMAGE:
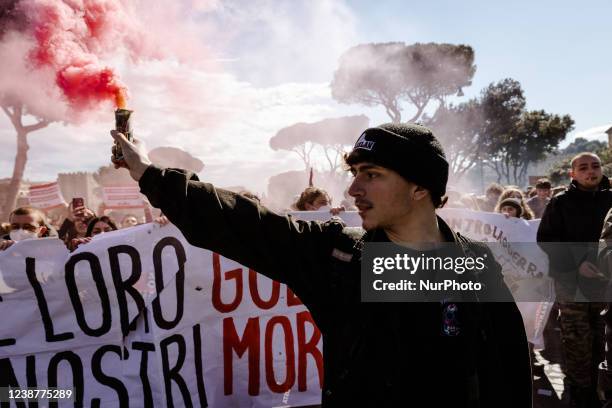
(5, 244)
(337, 210)
(80, 213)
(162, 220)
(75, 242)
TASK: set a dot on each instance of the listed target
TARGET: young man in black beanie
(375, 354)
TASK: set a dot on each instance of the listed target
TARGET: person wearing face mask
(576, 216)
(316, 199)
(25, 223)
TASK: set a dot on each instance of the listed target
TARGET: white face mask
(325, 208)
(22, 235)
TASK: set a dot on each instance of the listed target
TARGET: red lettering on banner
(253, 289)
(308, 347)
(292, 300)
(286, 385)
(216, 292)
(248, 343)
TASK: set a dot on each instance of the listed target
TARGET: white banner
(217, 333)
(46, 196)
(524, 264)
(118, 197)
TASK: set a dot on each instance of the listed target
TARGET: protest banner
(46, 196)
(122, 197)
(199, 329)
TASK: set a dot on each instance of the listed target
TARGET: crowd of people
(78, 225)
(569, 213)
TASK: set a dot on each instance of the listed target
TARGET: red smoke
(69, 37)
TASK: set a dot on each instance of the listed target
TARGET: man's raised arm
(231, 225)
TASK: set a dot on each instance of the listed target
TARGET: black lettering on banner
(31, 376)
(73, 291)
(126, 286)
(8, 379)
(172, 374)
(111, 382)
(6, 342)
(197, 346)
(77, 375)
(144, 378)
(50, 336)
(181, 258)
(145, 315)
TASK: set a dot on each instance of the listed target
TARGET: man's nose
(355, 189)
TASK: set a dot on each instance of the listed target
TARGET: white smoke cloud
(222, 111)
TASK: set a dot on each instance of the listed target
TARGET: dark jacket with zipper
(574, 216)
(375, 354)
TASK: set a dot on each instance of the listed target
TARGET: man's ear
(419, 193)
(571, 173)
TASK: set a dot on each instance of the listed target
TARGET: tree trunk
(393, 111)
(15, 114)
(20, 161)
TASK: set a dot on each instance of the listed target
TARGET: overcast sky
(270, 63)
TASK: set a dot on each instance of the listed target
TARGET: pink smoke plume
(68, 36)
(69, 40)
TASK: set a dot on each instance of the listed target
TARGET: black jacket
(375, 354)
(574, 216)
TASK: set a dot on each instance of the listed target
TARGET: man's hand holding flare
(135, 157)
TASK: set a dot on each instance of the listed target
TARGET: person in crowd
(26, 223)
(100, 225)
(491, 197)
(314, 199)
(511, 207)
(376, 354)
(75, 224)
(512, 192)
(311, 199)
(129, 220)
(96, 226)
(539, 202)
(576, 216)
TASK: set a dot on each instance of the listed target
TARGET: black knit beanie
(410, 150)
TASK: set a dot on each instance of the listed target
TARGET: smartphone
(78, 202)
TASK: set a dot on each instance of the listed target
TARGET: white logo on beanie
(362, 143)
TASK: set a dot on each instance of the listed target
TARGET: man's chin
(366, 222)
